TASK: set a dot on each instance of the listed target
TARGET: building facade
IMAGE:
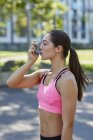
(78, 23)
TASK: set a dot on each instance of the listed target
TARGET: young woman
(59, 88)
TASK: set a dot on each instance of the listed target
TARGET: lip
(40, 53)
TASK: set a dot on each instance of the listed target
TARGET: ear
(59, 48)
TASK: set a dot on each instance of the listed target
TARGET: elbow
(9, 84)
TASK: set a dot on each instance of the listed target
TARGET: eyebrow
(44, 40)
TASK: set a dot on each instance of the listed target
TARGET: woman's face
(47, 48)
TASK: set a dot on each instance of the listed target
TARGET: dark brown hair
(59, 37)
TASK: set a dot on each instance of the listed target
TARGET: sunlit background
(22, 21)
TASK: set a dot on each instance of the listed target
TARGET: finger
(31, 49)
(32, 46)
(33, 42)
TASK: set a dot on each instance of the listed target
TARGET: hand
(31, 53)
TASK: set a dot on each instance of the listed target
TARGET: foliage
(84, 56)
(45, 14)
(88, 67)
(11, 65)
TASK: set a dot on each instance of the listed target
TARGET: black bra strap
(58, 77)
(61, 72)
(44, 76)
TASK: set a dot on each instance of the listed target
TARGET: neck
(57, 65)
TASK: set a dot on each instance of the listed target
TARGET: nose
(41, 46)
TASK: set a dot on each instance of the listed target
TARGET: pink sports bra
(48, 96)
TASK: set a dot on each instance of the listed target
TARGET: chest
(48, 94)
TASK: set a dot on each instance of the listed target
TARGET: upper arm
(68, 90)
(31, 80)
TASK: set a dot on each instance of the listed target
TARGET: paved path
(19, 115)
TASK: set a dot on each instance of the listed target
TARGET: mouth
(40, 53)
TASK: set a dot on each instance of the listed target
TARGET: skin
(51, 124)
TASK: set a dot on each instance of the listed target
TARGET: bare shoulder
(67, 82)
(68, 76)
(43, 71)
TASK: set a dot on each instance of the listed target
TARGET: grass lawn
(85, 54)
(11, 53)
(85, 57)
(88, 67)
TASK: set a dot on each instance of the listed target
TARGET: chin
(43, 58)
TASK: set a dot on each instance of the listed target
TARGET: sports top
(48, 96)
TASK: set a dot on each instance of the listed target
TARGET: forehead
(46, 37)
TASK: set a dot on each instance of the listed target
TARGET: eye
(44, 43)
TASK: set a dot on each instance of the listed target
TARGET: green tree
(45, 14)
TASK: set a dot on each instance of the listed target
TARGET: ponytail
(59, 37)
(76, 69)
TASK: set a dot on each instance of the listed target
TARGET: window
(74, 28)
(74, 14)
(3, 27)
(74, 24)
(74, 0)
(83, 28)
(20, 26)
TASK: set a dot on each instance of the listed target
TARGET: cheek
(49, 52)
(49, 49)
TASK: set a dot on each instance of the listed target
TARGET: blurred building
(78, 23)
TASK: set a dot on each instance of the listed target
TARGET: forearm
(67, 133)
(18, 75)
